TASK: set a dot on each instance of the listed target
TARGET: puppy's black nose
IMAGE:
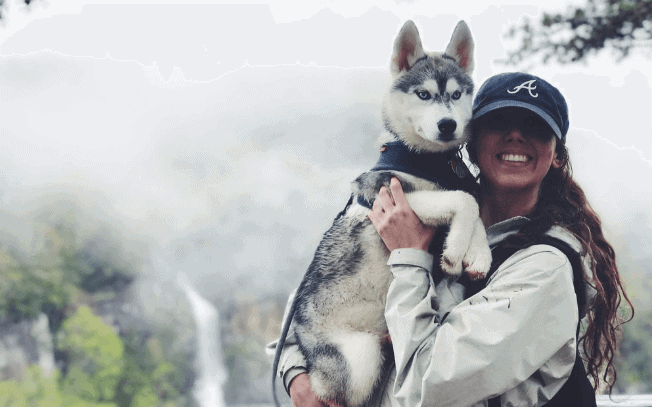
(447, 125)
(447, 128)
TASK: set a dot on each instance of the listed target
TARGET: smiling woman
(518, 334)
(516, 148)
(519, 145)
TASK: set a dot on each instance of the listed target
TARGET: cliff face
(25, 343)
(248, 325)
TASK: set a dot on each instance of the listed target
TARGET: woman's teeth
(513, 157)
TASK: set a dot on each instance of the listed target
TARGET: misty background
(219, 140)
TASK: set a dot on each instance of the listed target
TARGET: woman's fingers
(330, 403)
(302, 394)
(397, 192)
(386, 200)
(396, 223)
(377, 207)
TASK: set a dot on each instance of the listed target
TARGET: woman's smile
(514, 158)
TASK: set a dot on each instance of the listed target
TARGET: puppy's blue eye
(456, 95)
(423, 95)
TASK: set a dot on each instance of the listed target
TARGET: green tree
(52, 277)
(149, 378)
(635, 362)
(96, 356)
(31, 286)
(620, 25)
(33, 390)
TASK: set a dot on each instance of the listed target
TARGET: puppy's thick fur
(338, 310)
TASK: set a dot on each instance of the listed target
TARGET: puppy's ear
(407, 49)
(461, 47)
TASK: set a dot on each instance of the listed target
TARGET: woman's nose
(514, 134)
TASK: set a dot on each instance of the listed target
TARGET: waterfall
(211, 374)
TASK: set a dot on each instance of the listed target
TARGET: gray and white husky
(338, 309)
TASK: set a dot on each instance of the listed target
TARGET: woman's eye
(423, 95)
(495, 122)
(534, 123)
(456, 95)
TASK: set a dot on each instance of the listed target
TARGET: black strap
(577, 390)
(500, 253)
(494, 402)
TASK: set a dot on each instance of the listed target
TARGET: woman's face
(515, 149)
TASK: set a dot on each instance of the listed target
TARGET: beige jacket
(515, 338)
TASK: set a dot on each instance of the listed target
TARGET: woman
(516, 338)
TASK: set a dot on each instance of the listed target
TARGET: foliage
(50, 279)
(148, 377)
(36, 390)
(60, 275)
(96, 356)
(29, 288)
(103, 371)
(635, 362)
(33, 390)
(71, 400)
(12, 394)
(621, 25)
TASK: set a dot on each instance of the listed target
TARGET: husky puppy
(338, 310)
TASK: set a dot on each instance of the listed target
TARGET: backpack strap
(502, 252)
(577, 390)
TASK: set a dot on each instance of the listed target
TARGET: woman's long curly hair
(562, 202)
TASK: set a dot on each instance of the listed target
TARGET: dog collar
(444, 169)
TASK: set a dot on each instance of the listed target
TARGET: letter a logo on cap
(529, 85)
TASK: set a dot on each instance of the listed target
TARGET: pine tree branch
(620, 25)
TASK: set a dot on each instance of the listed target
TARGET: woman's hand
(396, 222)
(302, 395)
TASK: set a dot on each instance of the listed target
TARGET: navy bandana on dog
(444, 169)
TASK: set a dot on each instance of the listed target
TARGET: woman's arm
(490, 342)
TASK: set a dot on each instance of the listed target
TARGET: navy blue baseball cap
(516, 89)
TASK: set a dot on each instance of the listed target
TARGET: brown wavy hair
(562, 202)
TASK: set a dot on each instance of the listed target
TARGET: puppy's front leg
(460, 211)
(477, 259)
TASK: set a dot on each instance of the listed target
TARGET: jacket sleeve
(488, 343)
(292, 362)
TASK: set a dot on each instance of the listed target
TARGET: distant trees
(96, 356)
(621, 25)
(77, 282)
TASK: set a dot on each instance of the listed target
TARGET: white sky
(155, 113)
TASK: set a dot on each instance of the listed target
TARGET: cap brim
(516, 103)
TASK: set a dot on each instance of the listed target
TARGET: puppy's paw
(451, 264)
(477, 261)
(473, 275)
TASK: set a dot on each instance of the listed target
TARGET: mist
(232, 181)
